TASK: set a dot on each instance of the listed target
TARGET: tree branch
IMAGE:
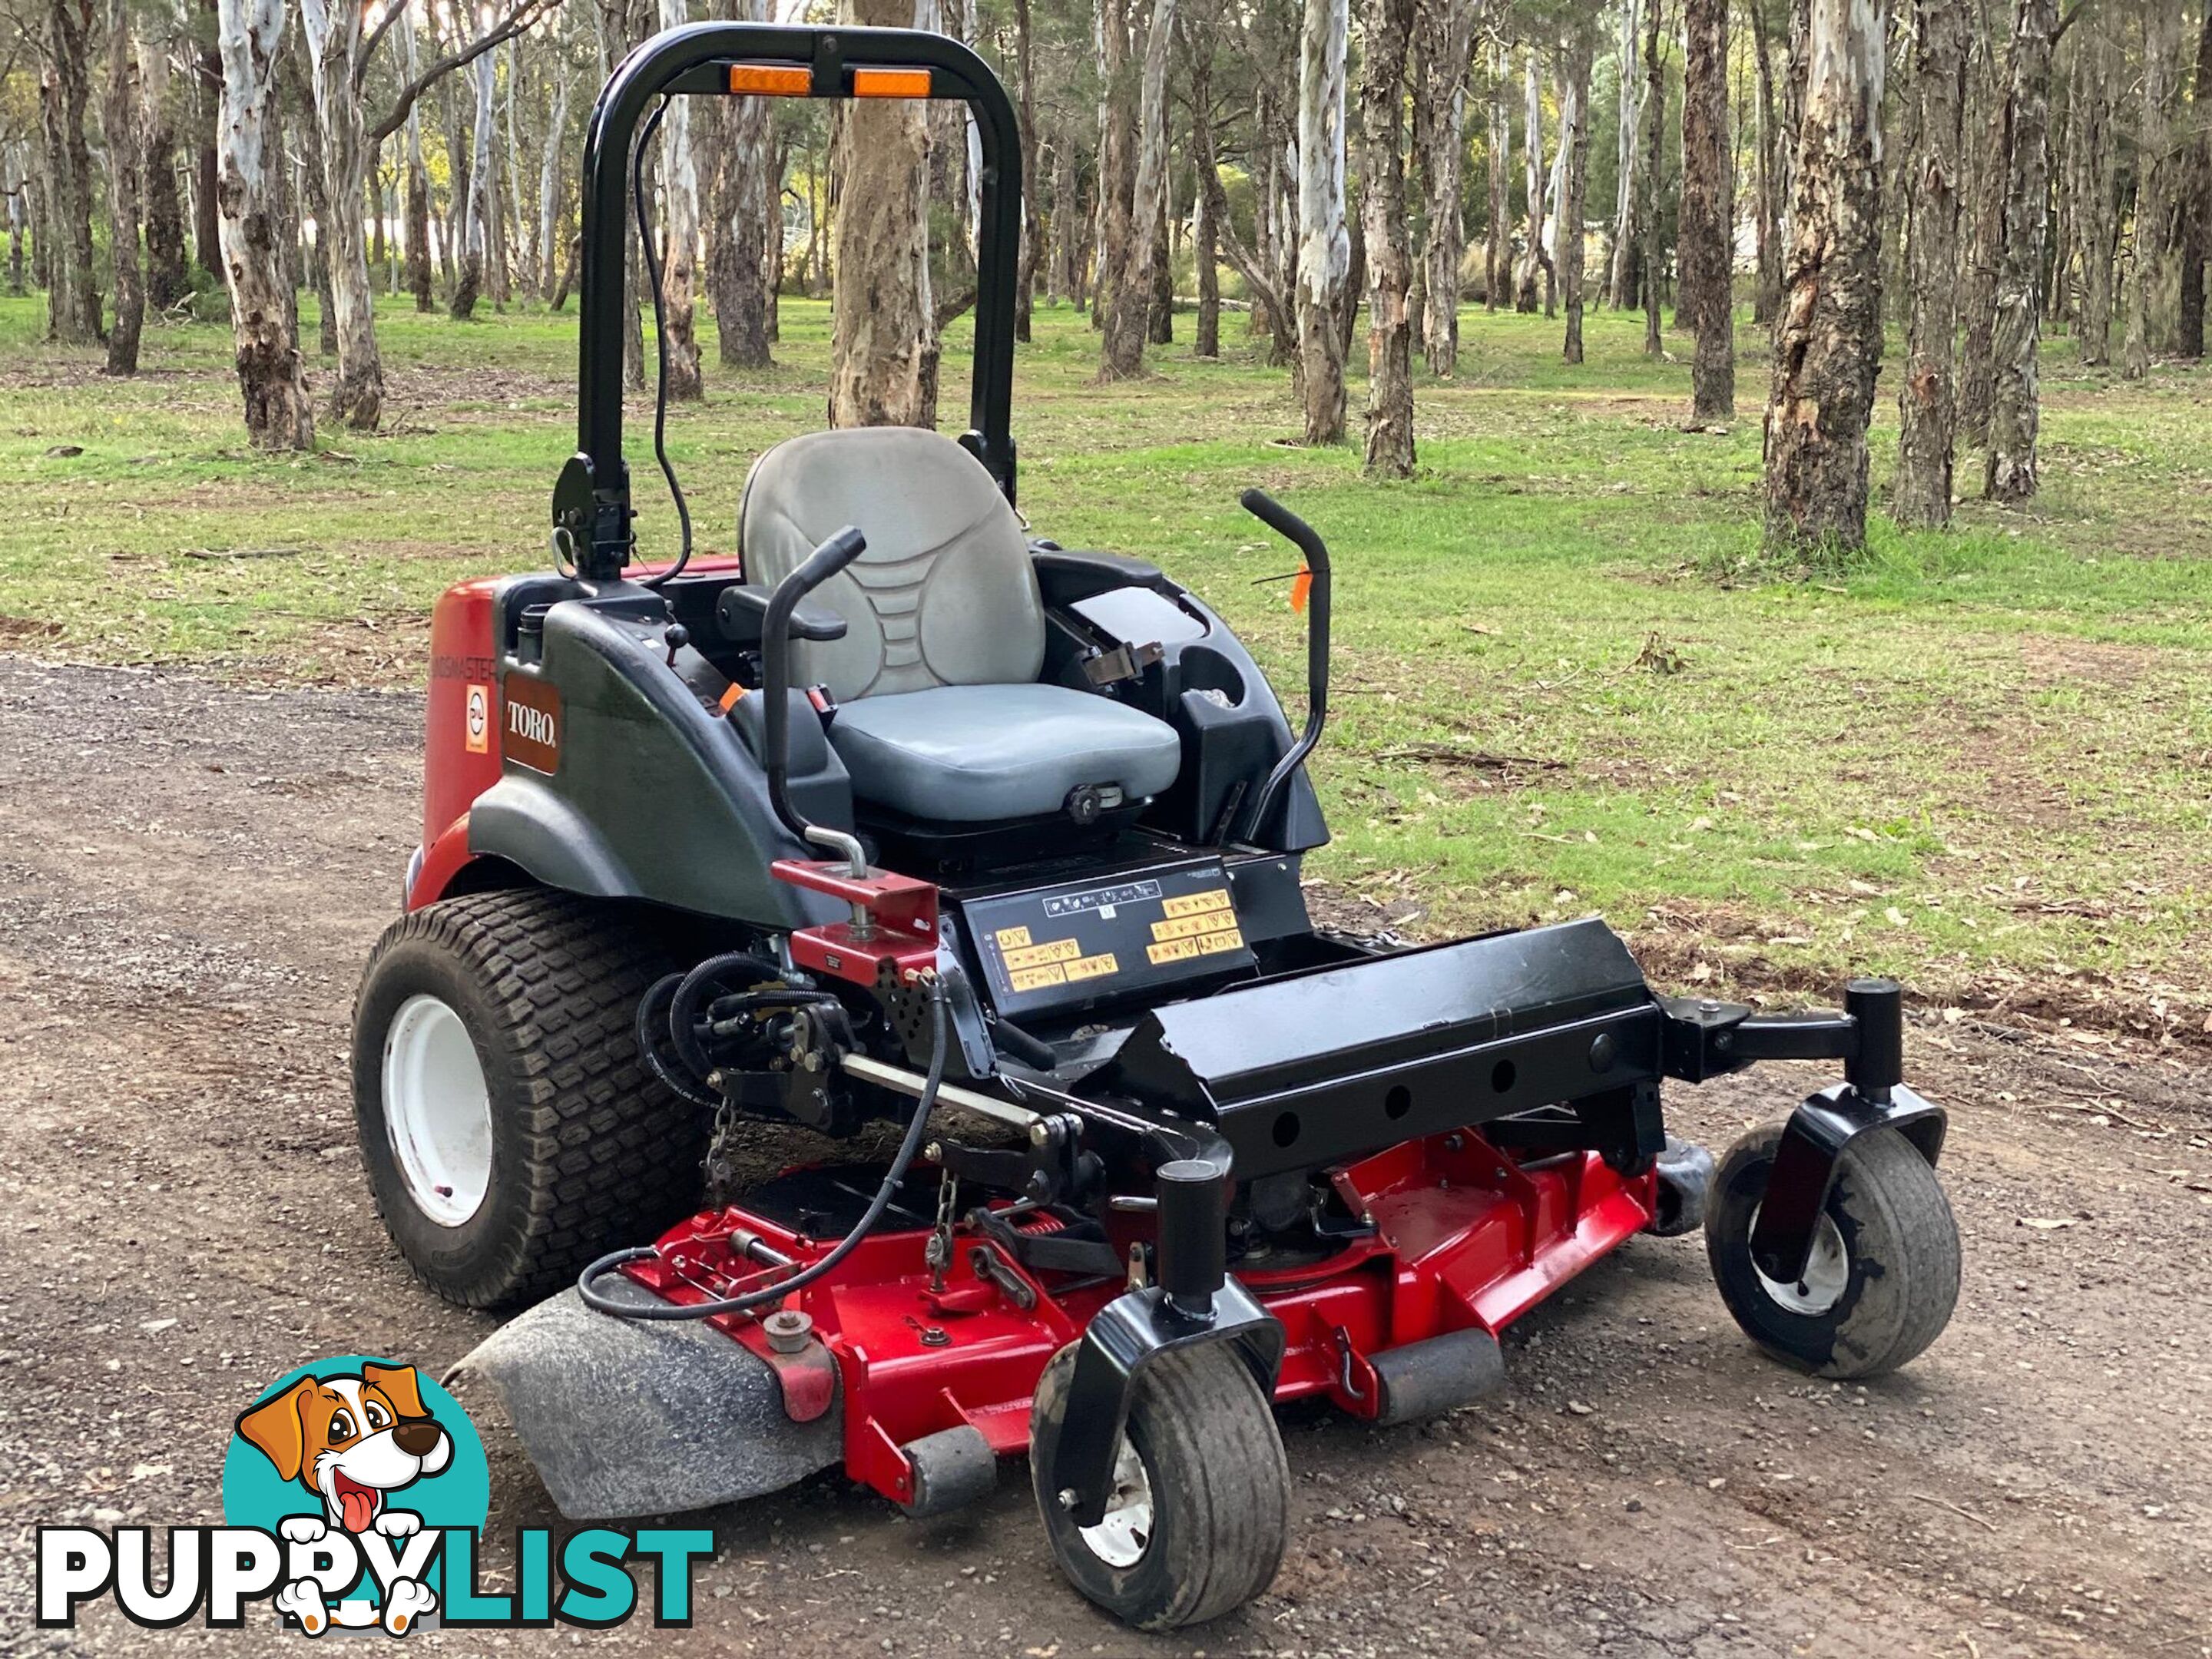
(1217, 205)
(526, 13)
(376, 38)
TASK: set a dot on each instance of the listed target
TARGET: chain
(940, 1253)
(721, 1170)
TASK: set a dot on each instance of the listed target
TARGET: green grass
(1975, 761)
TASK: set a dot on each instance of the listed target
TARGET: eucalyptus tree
(2155, 177)
(1324, 246)
(336, 64)
(255, 261)
(1705, 244)
(2015, 407)
(1927, 399)
(882, 327)
(1386, 25)
(121, 126)
(1827, 339)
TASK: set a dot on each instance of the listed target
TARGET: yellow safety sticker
(1210, 945)
(1011, 939)
(1098, 967)
(1206, 922)
(1194, 903)
(1035, 956)
(1172, 950)
(1038, 979)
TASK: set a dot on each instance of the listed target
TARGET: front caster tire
(1884, 1273)
(1201, 1501)
(510, 1132)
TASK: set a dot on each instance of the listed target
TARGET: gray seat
(941, 715)
(971, 754)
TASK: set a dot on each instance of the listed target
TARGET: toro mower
(982, 855)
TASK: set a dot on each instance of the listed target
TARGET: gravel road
(191, 874)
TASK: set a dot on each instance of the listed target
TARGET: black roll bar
(590, 502)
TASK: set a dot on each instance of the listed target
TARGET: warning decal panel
(1066, 947)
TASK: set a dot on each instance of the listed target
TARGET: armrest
(1066, 577)
(742, 608)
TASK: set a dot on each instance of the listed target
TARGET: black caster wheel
(1883, 1276)
(1201, 1492)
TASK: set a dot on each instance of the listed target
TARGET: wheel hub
(1124, 1533)
(437, 1111)
(1821, 1285)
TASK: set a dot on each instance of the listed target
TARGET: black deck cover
(1203, 1056)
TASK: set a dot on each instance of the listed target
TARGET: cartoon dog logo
(350, 1441)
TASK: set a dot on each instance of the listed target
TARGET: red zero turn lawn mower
(907, 817)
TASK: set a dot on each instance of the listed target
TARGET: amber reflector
(771, 80)
(890, 83)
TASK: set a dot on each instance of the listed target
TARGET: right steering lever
(1300, 535)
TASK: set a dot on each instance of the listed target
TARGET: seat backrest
(945, 594)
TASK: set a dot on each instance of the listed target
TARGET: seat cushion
(976, 754)
(945, 594)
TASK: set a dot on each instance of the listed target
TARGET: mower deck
(1460, 1237)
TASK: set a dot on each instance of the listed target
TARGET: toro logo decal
(355, 1492)
(530, 734)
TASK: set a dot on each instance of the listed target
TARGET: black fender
(1813, 1143)
(646, 792)
(522, 820)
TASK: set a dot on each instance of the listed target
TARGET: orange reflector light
(771, 80)
(890, 83)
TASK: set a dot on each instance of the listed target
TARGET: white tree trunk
(1631, 118)
(1324, 244)
(1533, 176)
(475, 213)
(679, 190)
(278, 415)
(525, 228)
(1444, 32)
(333, 39)
(2155, 177)
(418, 176)
(1124, 354)
(548, 184)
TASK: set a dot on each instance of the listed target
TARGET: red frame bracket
(894, 922)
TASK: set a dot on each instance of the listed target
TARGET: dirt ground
(190, 876)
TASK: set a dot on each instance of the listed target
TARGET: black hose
(900, 1161)
(660, 344)
(683, 1006)
(648, 1048)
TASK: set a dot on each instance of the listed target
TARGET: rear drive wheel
(1200, 1505)
(1883, 1276)
(510, 1132)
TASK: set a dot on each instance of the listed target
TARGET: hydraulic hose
(909, 1146)
(660, 341)
(683, 1006)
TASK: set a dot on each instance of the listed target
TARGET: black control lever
(1300, 535)
(823, 563)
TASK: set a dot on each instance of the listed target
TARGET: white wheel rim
(437, 1111)
(1828, 1274)
(1124, 1533)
